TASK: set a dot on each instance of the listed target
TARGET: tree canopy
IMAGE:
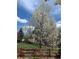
(45, 27)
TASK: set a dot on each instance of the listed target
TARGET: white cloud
(58, 24)
(21, 20)
(29, 4)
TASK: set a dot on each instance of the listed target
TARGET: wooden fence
(36, 53)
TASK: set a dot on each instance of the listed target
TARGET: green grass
(35, 58)
(26, 45)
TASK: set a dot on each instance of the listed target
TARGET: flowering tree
(45, 28)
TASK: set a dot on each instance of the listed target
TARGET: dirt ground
(37, 58)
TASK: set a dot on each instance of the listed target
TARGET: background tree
(58, 2)
(59, 37)
(59, 40)
(20, 35)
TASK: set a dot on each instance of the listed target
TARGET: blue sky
(25, 9)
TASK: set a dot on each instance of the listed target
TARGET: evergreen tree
(58, 2)
(20, 35)
(59, 40)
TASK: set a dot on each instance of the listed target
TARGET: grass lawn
(27, 45)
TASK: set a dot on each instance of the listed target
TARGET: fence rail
(36, 53)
